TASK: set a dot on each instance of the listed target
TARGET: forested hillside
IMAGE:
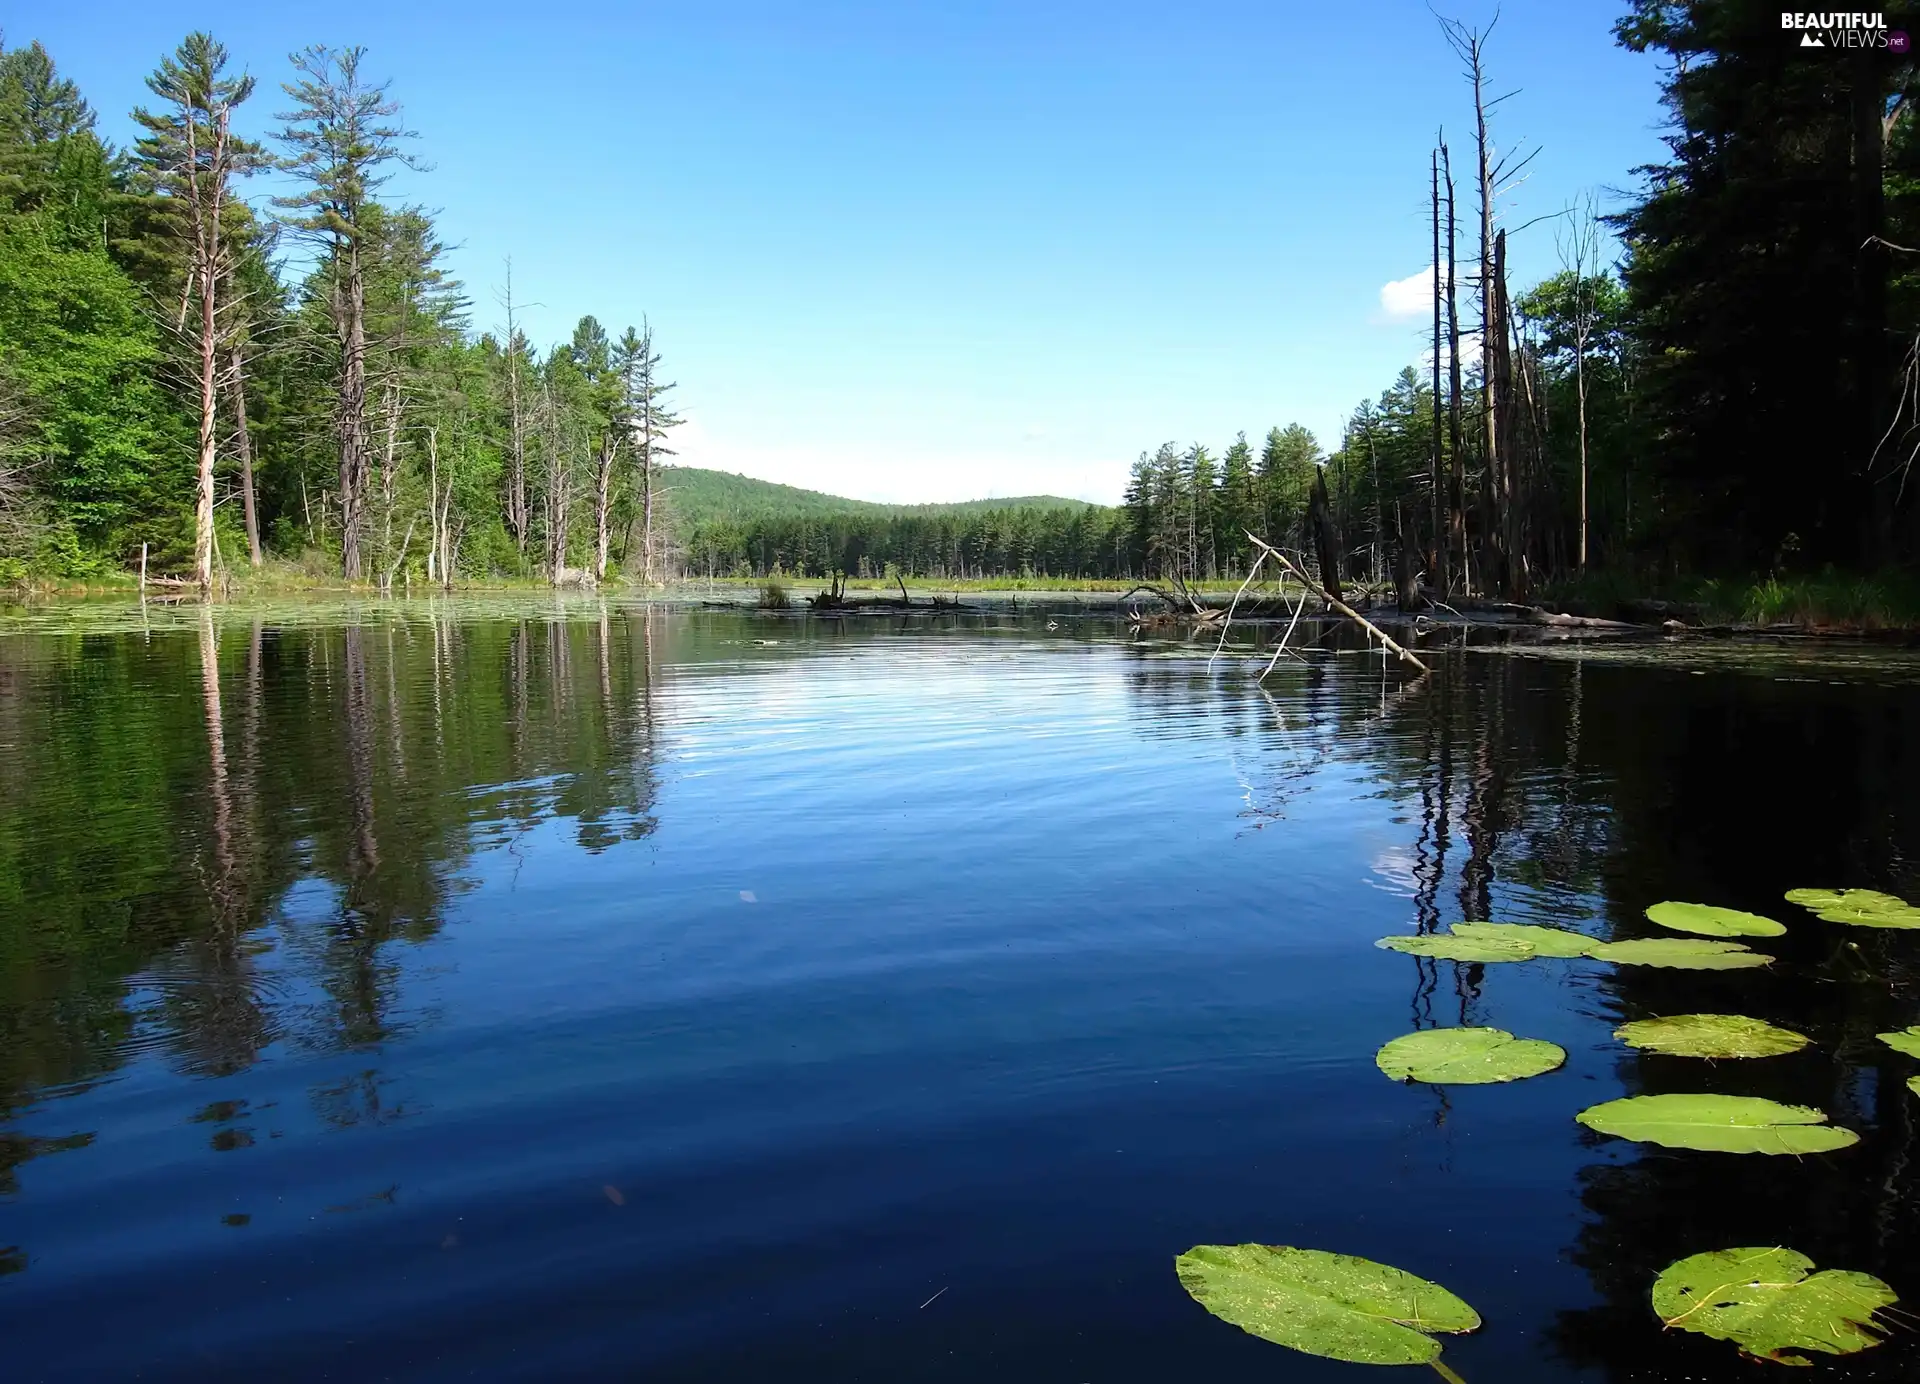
(1719, 377)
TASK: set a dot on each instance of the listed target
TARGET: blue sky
(937, 251)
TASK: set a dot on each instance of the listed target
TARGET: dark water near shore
(604, 993)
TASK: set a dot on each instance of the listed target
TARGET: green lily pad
(1690, 953)
(1467, 1056)
(1710, 1035)
(1722, 1124)
(1857, 907)
(1713, 922)
(1449, 947)
(1334, 1305)
(1906, 1040)
(1545, 941)
(1768, 1303)
(1818, 899)
(1913, 1084)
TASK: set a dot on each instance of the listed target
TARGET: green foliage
(1679, 953)
(1467, 1056)
(1857, 907)
(1723, 1124)
(1334, 1305)
(1712, 922)
(1906, 1040)
(1710, 1035)
(1768, 1302)
(1448, 947)
(1545, 941)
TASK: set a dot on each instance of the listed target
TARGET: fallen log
(1536, 615)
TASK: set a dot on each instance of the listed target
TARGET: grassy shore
(1827, 602)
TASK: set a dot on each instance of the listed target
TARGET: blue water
(609, 994)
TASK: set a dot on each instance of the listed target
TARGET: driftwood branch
(1386, 641)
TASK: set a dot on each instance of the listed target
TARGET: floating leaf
(1710, 1035)
(1545, 941)
(1857, 907)
(1335, 1305)
(1913, 1084)
(1723, 1124)
(1765, 1302)
(1907, 1040)
(1818, 899)
(1449, 947)
(1713, 922)
(1467, 1056)
(1692, 953)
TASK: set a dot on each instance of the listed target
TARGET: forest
(1722, 376)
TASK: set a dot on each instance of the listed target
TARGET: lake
(522, 990)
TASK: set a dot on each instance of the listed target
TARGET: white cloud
(1408, 298)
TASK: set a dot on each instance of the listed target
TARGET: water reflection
(207, 875)
(982, 952)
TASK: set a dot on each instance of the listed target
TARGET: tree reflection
(161, 848)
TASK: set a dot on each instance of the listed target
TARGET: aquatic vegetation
(1710, 1035)
(1719, 1124)
(1857, 907)
(1334, 1305)
(1449, 946)
(1467, 1056)
(1713, 922)
(1545, 941)
(1767, 1302)
(1685, 953)
(1905, 1040)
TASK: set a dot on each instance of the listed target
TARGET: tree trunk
(1871, 378)
(352, 298)
(602, 505)
(1326, 540)
(1433, 469)
(209, 433)
(1457, 481)
(243, 447)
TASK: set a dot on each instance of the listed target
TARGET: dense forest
(191, 380)
(1723, 375)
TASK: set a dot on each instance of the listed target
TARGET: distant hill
(700, 496)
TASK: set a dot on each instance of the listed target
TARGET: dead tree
(195, 156)
(1326, 538)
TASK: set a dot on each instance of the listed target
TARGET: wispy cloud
(1405, 299)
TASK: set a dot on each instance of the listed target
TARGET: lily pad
(1906, 1040)
(1767, 1302)
(1913, 1084)
(1545, 941)
(1709, 921)
(1857, 907)
(1690, 953)
(1710, 1035)
(1449, 947)
(1334, 1305)
(1467, 1056)
(1722, 1124)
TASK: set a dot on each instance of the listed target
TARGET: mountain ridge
(700, 495)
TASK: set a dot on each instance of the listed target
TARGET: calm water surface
(599, 992)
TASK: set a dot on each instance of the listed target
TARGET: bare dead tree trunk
(243, 448)
(1434, 464)
(351, 298)
(518, 516)
(602, 504)
(1457, 481)
(1326, 541)
(1513, 539)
